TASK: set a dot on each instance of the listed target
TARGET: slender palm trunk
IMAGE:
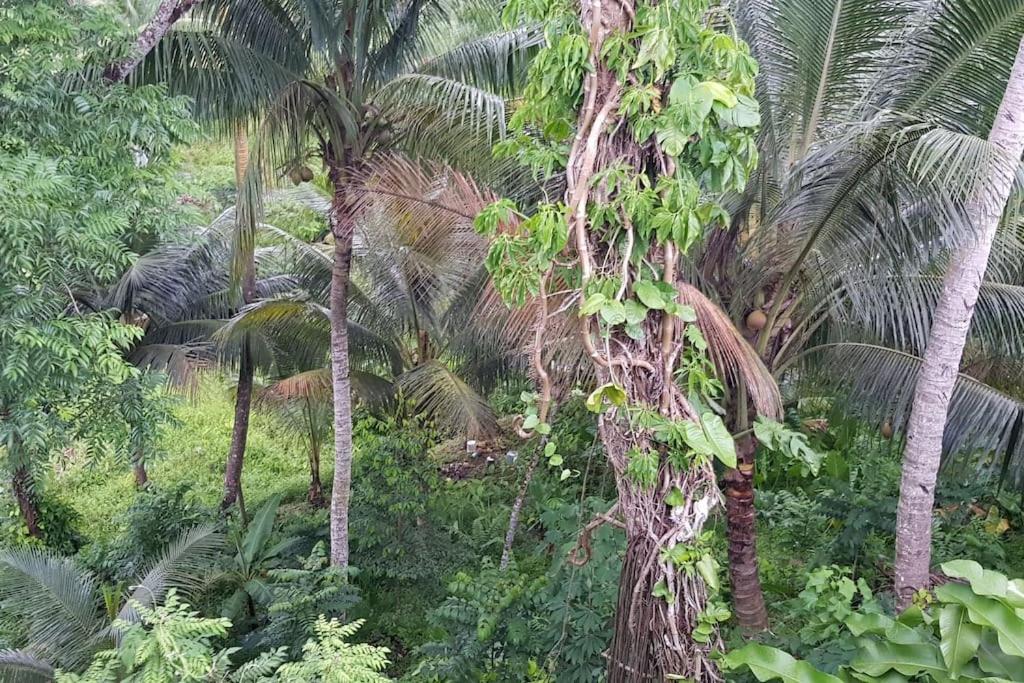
(517, 509)
(21, 482)
(942, 357)
(342, 229)
(139, 470)
(741, 519)
(243, 396)
(315, 495)
(167, 13)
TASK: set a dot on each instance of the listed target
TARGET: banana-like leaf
(259, 531)
(771, 664)
(960, 638)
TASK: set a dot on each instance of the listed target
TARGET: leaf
(987, 611)
(259, 531)
(877, 658)
(612, 393)
(720, 440)
(994, 661)
(708, 569)
(593, 304)
(649, 295)
(613, 312)
(636, 313)
(960, 638)
(531, 421)
(983, 581)
(675, 498)
(769, 664)
(719, 92)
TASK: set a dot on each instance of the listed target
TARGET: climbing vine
(646, 109)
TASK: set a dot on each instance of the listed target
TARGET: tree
(650, 112)
(70, 219)
(961, 287)
(357, 81)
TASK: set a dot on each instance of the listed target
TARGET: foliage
(85, 179)
(972, 631)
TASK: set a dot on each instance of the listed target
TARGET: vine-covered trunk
(21, 482)
(950, 325)
(517, 509)
(342, 226)
(741, 517)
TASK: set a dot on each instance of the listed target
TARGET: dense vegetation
(545, 340)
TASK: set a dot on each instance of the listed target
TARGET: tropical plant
(973, 631)
(247, 571)
(64, 615)
(72, 220)
(649, 111)
(990, 190)
(341, 83)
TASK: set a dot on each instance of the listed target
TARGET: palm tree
(951, 322)
(66, 615)
(343, 81)
(838, 244)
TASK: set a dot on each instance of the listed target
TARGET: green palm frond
(181, 566)
(496, 61)
(18, 666)
(454, 406)
(56, 604)
(877, 383)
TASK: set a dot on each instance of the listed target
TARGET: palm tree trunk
(21, 482)
(944, 352)
(239, 431)
(167, 13)
(315, 495)
(741, 517)
(342, 229)
(139, 470)
(243, 396)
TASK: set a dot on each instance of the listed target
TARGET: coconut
(307, 174)
(295, 175)
(756, 320)
(886, 430)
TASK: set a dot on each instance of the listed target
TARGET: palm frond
(18, 666)
(56, 604)
(877, 383)
(181, 566)
(737, 364)
(453, 405)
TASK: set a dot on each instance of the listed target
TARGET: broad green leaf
(675, 498)
(531, 421)
(612, 393)
(719, 92)
(986, 611)
(876, 658)
(593, 304)
(860, 623)
(983, 581)
(636, 312)
(259, 530)
(960, 638)
(708, 569)
(770, 664)
(993, 660)
(613, 312)
(649, 295)
(722, 445)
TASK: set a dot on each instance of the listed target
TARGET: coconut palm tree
(65, 614)
(835, 252)
(342, 81)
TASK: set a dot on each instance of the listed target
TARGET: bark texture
(167, 13)
(139, 470)
(517, 509)
(243, 396)
(944, 352)
(741, 516)
(315, 495)
(21, 482)
(342, 226)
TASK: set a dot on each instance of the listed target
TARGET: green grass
(193, 453)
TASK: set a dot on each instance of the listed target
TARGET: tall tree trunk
(943, 354)
(315, 495)
(342, 227)
(243, 396)
(21, 482)
(167, 13)
(517, 509)
(139, 469)
(741, 519)
(240, 430)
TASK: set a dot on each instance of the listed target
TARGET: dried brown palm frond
(736, 362)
